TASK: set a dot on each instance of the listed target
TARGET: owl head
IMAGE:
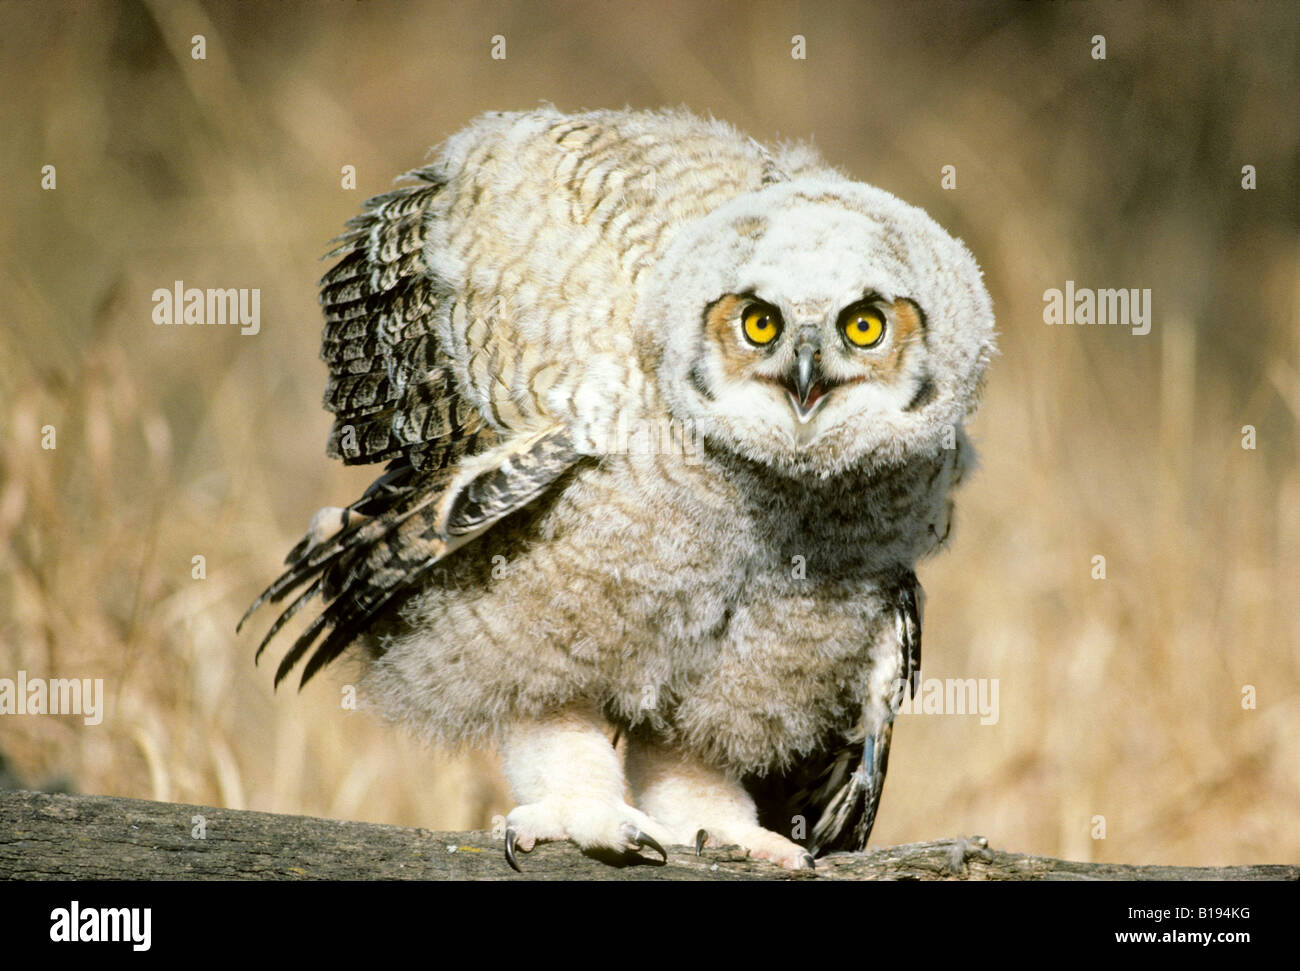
(818, 325)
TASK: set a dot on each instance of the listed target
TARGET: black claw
(641, 839)
(809, 861)
(511, 836)
(700, 839)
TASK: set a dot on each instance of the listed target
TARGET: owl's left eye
(761, 324)
(863, 325)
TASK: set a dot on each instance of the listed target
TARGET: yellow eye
(761, 324)
(864, 326)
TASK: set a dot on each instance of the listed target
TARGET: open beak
(804, 383)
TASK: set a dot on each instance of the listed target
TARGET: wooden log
(48, 836)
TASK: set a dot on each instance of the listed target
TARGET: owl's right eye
(761, 324)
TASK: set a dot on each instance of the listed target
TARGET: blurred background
(1119, 698)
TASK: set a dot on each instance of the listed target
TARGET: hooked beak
(804, 383)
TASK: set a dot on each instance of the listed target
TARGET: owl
(668, 417)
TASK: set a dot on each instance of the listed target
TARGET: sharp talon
(641, 839)
(511, 836)
(809, 862)
(700, 838)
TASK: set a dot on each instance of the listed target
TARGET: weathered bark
(46, 836)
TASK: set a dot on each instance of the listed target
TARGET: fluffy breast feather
(729, 612)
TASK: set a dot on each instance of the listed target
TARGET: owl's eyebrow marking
(924, 394)
(696, 377)
(708, 307)
(920, 315)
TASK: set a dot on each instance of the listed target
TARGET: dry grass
(1119, 697)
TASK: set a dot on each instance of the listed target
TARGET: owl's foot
(570, 783)
(688, 798)
(759, 844)
(591, 825)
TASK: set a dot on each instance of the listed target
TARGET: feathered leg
(569, 782)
